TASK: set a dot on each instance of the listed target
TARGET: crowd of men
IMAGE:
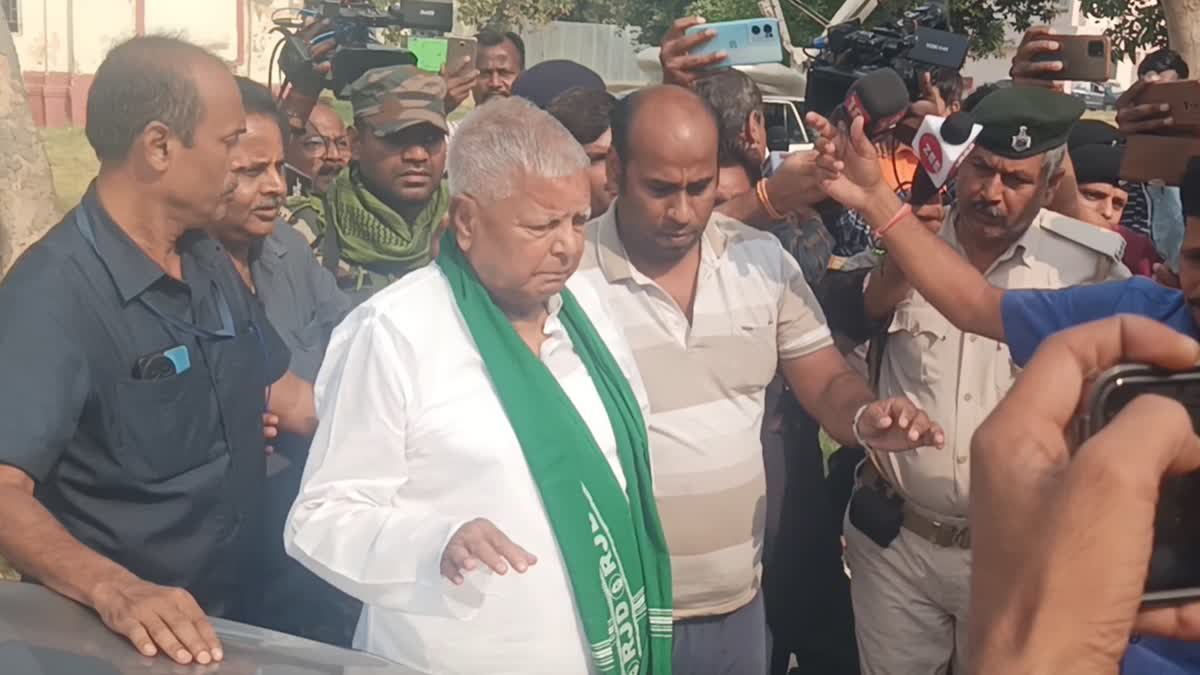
(499, 395)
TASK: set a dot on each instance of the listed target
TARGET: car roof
(43, 633)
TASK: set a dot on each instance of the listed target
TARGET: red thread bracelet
(905, 210)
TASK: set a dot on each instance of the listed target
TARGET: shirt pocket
(169, 426)
(916, 339)
(753, 357)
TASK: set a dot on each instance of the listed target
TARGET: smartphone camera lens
(755, 29)
(767, 29)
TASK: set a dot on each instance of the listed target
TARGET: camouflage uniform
(389, 100)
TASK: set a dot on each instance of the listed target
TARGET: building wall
(63, 42)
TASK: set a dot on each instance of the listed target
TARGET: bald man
(713, 307)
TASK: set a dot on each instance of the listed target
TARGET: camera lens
(755, 29)
(767, 29)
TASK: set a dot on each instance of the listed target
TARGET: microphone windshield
(957, 128)
(882, 93)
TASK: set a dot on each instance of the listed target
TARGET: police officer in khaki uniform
(908, 538)
(379, 219)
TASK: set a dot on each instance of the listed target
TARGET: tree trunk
(26, 186)
(1183, 28)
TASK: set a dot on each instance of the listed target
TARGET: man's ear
(155, 147)
(615, 171)
(463, 221)
(755, 130)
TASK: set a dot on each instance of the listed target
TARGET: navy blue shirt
(163, 476)
(1032, 316)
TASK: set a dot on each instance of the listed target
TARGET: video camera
(355, 24)
(911, 45)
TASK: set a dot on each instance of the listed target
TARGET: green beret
(1021, 122)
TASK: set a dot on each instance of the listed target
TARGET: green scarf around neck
(371, 233)
(612, 541)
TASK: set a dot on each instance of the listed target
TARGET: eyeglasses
(316, 145)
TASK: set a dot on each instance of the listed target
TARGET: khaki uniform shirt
(959, 378)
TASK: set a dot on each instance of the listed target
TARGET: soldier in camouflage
(380, 218)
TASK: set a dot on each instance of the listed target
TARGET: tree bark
(27, 207)
(1183, 28)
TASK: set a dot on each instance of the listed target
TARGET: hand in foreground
(849, 163)
(459, 83)
(158, 618)
(1026, 72)
(896, 424)
(678, 65)
(479, 541)
(309, 75)
(1061, 543)
(796, 184)
(270, 430)
(1142, 118)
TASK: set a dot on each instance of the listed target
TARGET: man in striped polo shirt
(712, 308)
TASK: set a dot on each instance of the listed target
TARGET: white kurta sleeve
(354, 523)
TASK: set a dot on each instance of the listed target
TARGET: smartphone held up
(1174, 574)
(745, 43)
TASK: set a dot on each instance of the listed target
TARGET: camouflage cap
(394, 98)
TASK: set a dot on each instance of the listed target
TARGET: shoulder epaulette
(1105, 242)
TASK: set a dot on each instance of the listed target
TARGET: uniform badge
(1022, 142)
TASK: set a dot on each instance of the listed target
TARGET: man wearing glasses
(315, 158)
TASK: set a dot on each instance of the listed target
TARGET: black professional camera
(910, 45)
(355, 24)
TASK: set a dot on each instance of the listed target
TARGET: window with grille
(12, 10)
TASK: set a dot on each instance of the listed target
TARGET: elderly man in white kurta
(480, 477)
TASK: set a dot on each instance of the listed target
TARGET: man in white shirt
(484, 415)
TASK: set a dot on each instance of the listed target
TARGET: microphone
(879, 97)
(941, 144)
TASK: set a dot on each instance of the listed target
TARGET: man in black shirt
(135, 369)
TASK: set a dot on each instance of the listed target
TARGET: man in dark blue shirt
(135, 370)
(1021, 318)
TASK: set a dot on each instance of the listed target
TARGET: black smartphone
(1174, 574)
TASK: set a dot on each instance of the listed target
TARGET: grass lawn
(73, 164)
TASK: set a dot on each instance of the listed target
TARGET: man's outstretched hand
(1062, 543)
(479, 542)
(1026, 72)
(678, 65)
(849, 163)
(896, 425)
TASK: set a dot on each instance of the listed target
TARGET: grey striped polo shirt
(707, 382)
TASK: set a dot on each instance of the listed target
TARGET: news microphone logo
(930, 153)
(941, 143)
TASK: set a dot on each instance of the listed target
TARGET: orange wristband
(765, 200)
(904, 211)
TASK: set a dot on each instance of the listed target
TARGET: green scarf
(370, 233)
(612, 543)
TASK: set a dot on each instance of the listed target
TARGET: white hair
(503, 138)
(1052, 163)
